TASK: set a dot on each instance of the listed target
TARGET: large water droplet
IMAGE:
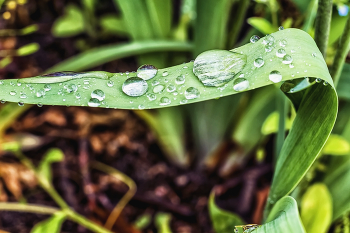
(275, 76)
(13, 92)
(180, 79)
(93, 102)
(240, 84)
(98, 94)
(164, 101)
(192, 93)
(287, 59)
(146, 72)
(259, 62)
(217, 67)
(135, 86)
(254, 39)
(171, 88)
(280, 53)
(158, 89)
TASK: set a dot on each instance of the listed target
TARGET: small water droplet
(40, 93)
(240, 84)
(269, 48)
(283, 43)
(71, 88)
(318, 80)
(78, 96)
(127, 73)
(171, 88)
(47, 87)
(185, 67)
(259, 62)
(135, 86)
(313, 54)
(146, 72)
(110, 83)
(192, 93)
(20, 104)
(12, 83)
(184, 101)
(280, 28)
(166, 80)
(98, 94)
(241, 75)
(158, 89)
(291, 65)
(165, 73)
(62, 73)
(13, 92)
(269, 40)
(39, 105)
(23, 95)
(164, 101)
(280, 53)
(93, 102)
(217, 67)
(141, 106)
(180, 79)
(3, 101)
(175, 93)
(86, 82)
(19, 83)
(155, 82)
(1, 82)
(151, 96)
(325, 83)
(287, 59)
(254, 39)
(275, 76)
(292, 51)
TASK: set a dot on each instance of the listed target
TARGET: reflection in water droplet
(217, 67)
(192, 93)
(280, 53)
(13, 92)
(280, 28)
(254, 39)
(283, 43)
(47, 87)
(110, 83)
(275, 76)
(164, 101)
(135, 86)
(259, 62)
(171, 88)
(98, 94)
(93, 102)
(287, 59)
(158, 89)
(146, 72)
(151, 96)
(240, 84)
(165, 73)
(180, 79)
(20, 104)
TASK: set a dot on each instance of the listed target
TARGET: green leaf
(70, 24)
(52, 224)
(271, 124)
(113, 24)
(284, 217)
(316, 209)
(343, 86)
(336, 145)
(263, 25)
(162, 222)
(52, 156)
(160, 13)
(222, 220)
(28, 49)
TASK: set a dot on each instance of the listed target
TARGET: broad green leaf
(222, 220)
(271, 124)
(336, 145)
(337, 28)
(317, 105)
(160, 13)
(70, 24)
(338, 183)
(52, 224)
(28, 49)
(343, 86)
(52, 156)
(284, 217)
(162, 222)
(316, 209)
(263, 25)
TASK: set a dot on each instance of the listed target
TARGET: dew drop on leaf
(110, 83)
(39, 105)
(287, 59)
(20, 104)
(192, 93)
(259, 62)
(13, 92)
(151, 96)
(171, 88)
(280, 28)
(269, 40)
(146, 72)
(71, 88)
(240, 84)
(40, 93)
(325, 83)
(165, 73)
(254, 39)
(98, 94)
(23, 95)
(3, 101)
(155, 82)
(47, 87)
(217, 67)
(184, 101)
(283, 43)
(318, 80)
(164, 101)
(269, 48)
(158, 89)
(180, 79)
(280, 53)
(93, 102)
(141, 106)
(63, 73)
(135, 86)
(275, 76)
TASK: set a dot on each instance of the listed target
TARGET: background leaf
(52, 224)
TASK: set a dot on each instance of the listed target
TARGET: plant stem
(343, 50)
(322, 24)
(238, 21)
(31, 208)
